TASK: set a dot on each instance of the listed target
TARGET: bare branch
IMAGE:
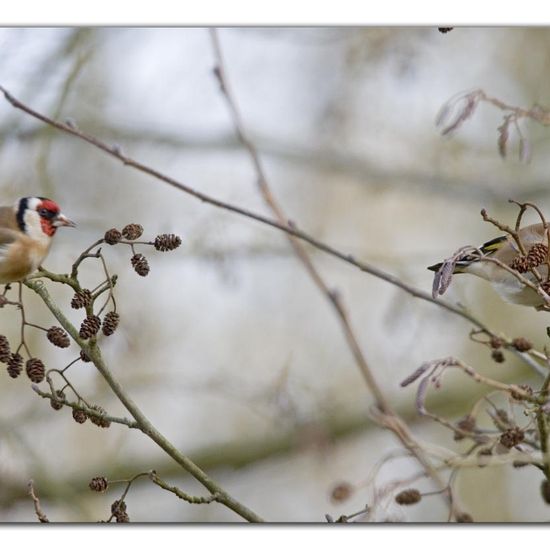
(181, 494)
(398, 426)
(37, 508)
(285, 227)
(94, 354)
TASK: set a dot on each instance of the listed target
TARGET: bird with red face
(26, 232)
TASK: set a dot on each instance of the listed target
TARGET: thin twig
(273, 204)
(181, 494)
(288, 228)
(398, 426)
(37, 508)
(87, 409)
(129, 483)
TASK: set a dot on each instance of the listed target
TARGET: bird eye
(45, 213)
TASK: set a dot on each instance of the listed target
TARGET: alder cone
(36, 371)
(90, 326)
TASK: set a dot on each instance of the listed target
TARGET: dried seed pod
(5, 352)
(84, 357)
(512, 437)
(167, 242)
(58, 337)
(81, 299)
(341, 492)
(132, 231)
(15, 365)
(117, 507)
(35, 370)
(56, 401)
(79, 416)
(467, 105)
(90, 326)
(112, 236)
(110, 323)
(140, 264)
(408, 497)
(522, 344)
(99, 484)
(101, 420)
(520, 264)
(497, 356)
(123, 517)
(537, 255)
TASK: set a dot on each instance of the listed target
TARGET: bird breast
(21, 258)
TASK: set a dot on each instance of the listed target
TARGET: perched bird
(505, 249)
(26, 232)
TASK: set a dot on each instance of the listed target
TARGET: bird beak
(62, 221)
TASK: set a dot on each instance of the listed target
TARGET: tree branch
(42, 517)
(93, 352)
(392, 420)
(287, 227)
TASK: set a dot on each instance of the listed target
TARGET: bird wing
(7, 218)
(493, 245)
(7, 237)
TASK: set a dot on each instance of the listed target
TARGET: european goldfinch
(26, 232)
(506, 250)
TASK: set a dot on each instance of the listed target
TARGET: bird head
(39, 217)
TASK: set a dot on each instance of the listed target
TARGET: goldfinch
(26, 232)
(505, 249)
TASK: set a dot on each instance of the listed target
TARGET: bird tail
(489, 248)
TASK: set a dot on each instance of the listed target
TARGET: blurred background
(227, 345)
